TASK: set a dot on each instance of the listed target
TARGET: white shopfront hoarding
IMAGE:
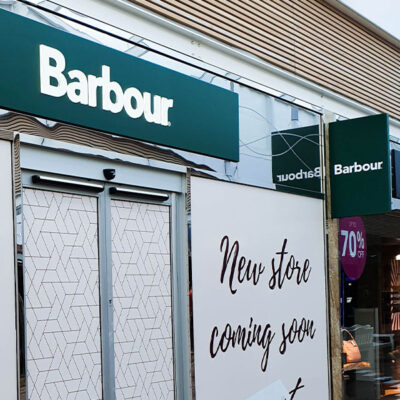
(258, 335)
(8, 338)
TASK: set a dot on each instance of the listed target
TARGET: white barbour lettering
(366, 167)
(166, 104)
(152, 112)
(299, 175)
(137, 110)
(339, 169)
(85, 89)
(358, 167)
(78, 91)
(94, 82)
(117, 105)
(47, 71)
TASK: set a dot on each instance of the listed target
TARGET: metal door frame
(52, 160)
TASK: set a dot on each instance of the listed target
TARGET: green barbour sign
(49, 73)
(360, 166)
(296, 165)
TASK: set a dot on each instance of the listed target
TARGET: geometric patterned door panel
(62, 296)
(141, 270)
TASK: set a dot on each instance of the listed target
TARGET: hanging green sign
(53, 74)
(360, 166)
(296, 163)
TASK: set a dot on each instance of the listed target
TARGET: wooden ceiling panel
(309, 38)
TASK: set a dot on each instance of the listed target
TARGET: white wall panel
(8, 340)
(258, 270)
(62, 296)
(144, 367)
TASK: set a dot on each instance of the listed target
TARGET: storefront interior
(370, 308)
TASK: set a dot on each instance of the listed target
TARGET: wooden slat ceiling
(309, 38)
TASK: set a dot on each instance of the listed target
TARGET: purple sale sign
(352, 246)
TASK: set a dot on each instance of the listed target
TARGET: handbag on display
(351, 349)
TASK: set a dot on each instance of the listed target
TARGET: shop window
(371, 315)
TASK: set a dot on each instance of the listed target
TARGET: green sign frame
(56, 75)
(360, 167)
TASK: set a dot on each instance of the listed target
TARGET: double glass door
(97, 293)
